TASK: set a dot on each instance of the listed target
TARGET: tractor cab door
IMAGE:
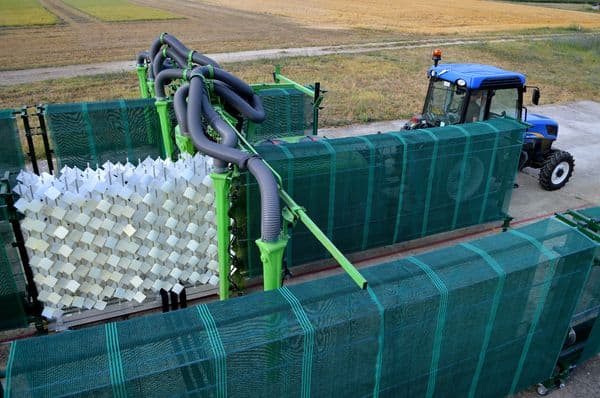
(492, 103)
(477, 106)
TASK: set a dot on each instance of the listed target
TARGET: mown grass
(119, 10)
(383, 85)
(24, 13)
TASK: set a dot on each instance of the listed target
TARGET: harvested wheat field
(467, 16)
(79, 38)
(209, 26)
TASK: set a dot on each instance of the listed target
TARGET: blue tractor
(465, 93)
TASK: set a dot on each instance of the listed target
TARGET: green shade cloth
(91, 133)
(289, 112)
(485, 318)
(381, 189)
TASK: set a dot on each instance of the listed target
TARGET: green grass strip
(553, 260)
(493, 311)
(25, 13)
(402, 182)
(217, 348)
(115, 362)
(309, 339)
(332, 177)
(461, 180)
(434, 156)
(9, 365)
(488, 184)
(381, 341)
(370, 187)
(441, 321)
(119, 10)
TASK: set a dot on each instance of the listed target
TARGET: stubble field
(466, 16)
(78, 37)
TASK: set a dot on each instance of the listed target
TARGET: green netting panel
(589, 304)
(289, 112)
(381, 189)
(485, 318)
(592, 345)
(95, 132)
(11, 153)
(12, 314)
(588, 307)
(12, 284)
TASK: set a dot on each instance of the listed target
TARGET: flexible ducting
(198, 106)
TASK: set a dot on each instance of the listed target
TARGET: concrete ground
(579, 133)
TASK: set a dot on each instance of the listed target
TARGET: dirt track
(8, 78)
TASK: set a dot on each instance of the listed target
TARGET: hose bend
(202, 59)
(181, 107)
(251, 108)
(174, 43)
(142, 58)
(181, 60)
(157, 63)
(199, 106)
(269, 199)
(165, 77)
(223, 153)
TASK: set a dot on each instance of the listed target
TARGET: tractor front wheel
(557, 170)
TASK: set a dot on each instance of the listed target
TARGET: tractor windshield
(444, 104)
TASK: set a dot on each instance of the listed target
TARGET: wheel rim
(560, 173)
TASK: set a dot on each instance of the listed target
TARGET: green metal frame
(271, 255)
(222, 183)
(184, 142)
(165, 126)
(300, 213)
(586, 225)
(281, 81)
(316, 93)
(142, 72)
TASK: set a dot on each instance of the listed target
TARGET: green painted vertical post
(184, 142)
(165, 126)
(271, 255)
(151, 87)
(222, 184)
(142, 72)
(315, 126)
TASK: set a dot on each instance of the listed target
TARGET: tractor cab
(466, 93)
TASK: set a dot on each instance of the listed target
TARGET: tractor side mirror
(535, 97)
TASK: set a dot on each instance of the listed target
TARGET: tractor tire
(557, 170)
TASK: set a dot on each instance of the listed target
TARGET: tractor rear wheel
(557, 170)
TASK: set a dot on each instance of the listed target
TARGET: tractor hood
(541, 126)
